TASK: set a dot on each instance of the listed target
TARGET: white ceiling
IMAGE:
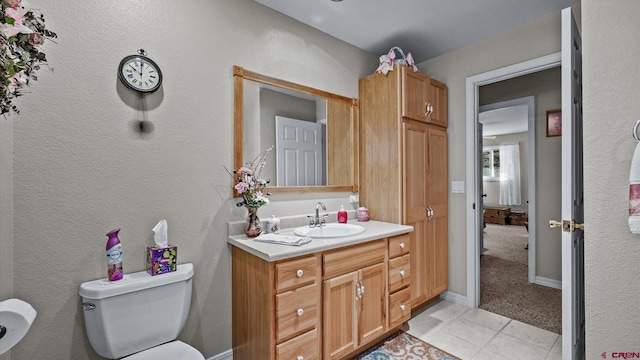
(508, 120)
(426, 28)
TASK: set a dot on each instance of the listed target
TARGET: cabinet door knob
(299, 273)
(402, 245)
(402, 307)
(300, 357)
(300, 312)
(402, 273)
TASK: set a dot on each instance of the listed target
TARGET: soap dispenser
(342, 215)
(273, 224)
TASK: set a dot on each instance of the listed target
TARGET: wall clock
(140, 73)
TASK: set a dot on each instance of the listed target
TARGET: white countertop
(373, 230)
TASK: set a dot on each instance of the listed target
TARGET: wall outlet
(354, 199)
(457, 187)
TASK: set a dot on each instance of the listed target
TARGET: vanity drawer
(303, 347)
(399, 307)
(399, 272)
(297, 311)
(399, 245)
(342, 261)
(294, 273)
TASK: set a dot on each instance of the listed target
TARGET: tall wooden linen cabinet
(403, 168)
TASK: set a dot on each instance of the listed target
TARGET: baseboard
(548, 282)
(227, 355)
(453, 297)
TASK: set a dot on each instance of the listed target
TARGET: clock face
(140, 73)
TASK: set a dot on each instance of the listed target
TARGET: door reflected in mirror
(313, 133)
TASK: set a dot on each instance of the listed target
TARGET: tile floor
(475, 334)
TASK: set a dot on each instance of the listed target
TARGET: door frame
(474, 216)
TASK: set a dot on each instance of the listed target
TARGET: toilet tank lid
(101, 289)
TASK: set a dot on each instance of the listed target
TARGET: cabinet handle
(426, 111)
(402, 307)
(362, 287)
(402, 245)
(300, 312)
(358, 291)
(402, 273)
(429, 109)
(299, 273)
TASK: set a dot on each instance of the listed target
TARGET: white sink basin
(330, 231)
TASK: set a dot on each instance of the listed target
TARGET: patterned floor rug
(402, 346)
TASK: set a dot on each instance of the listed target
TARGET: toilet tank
(136, 313)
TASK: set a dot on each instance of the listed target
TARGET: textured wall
(81, 170)
(531, 40)
(611, 107)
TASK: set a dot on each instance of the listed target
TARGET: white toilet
(140, 316)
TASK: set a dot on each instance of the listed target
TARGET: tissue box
(161, 260)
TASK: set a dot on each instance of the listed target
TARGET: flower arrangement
(22, 31)
(249, 183)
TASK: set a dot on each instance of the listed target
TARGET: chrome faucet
(318, 221)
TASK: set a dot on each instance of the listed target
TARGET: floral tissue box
(161, 260)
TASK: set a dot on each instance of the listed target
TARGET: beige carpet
(504, 285)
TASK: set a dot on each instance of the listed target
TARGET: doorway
(474, 174)
(501, 121)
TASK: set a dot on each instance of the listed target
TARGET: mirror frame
(240, 74)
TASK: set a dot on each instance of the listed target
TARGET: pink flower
(245, 171)
(242, 187)
(17, 14)
(36, 39)
(13, 3)
(18, 27)
(13, 30)
(20, 78)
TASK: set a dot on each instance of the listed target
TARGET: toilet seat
(170, 351)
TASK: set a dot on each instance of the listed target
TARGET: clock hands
(136, 70)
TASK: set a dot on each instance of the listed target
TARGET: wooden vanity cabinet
(355, 297)
(276, 307)
(399, 280)
(403, 168)
(328, 305)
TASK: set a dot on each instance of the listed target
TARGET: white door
(573, 331)
(481, 193)
(299, 158)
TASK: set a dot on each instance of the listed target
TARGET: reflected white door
(298, 152)
(573, 331)
(480, 203)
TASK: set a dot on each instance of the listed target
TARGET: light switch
(457, 187)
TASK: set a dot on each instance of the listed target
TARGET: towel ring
(635, 131)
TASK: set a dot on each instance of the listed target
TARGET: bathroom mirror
(313, 134)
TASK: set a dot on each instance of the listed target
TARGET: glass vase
(252, 226)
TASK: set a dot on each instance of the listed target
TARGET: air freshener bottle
(342, 215)
(114, 256)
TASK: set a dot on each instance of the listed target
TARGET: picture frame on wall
(554, 122)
